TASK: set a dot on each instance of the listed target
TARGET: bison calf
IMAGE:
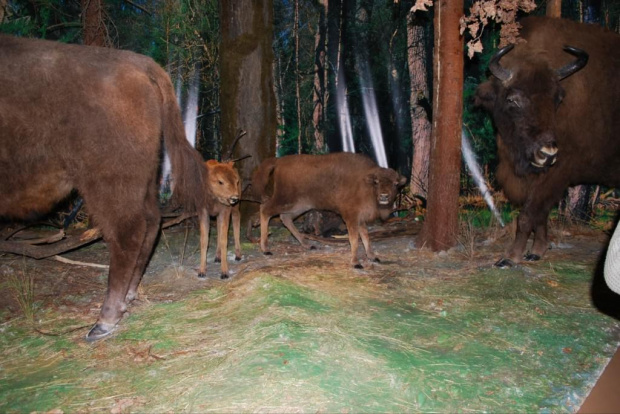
(223, 189)
(349, 184)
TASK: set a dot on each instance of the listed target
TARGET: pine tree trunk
(419, 107)
(440, 231)
(554, 8)
(93, 24)
(320, 72)
(297, 77)
(248, 100)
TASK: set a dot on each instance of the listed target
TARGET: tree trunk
(248, 99)
(297, 77)
(554, 8)
(419, 107)
(334, 31)
(440, 229)
(278, 94)
(320, 78)
(3, 6)
(95, 32)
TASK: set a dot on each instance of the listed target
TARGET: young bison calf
(222, 198)
(349, 184)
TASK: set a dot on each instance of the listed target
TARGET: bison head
(386, 183)
(223, 182)
(523, 100)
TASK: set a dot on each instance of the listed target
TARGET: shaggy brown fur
(578, 116)
(92, 119)
(223, 189)
(351, 185)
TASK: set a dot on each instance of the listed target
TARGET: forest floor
(302, 331)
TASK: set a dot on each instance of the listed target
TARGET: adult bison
(554, 101)
(92, 119)
(351, 185)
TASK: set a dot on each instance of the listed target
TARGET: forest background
(346, 74)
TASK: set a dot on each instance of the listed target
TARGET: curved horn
(574, 66)
(496, 69)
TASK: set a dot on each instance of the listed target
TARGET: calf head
(523, 101)
(385, 183)
(223, 182)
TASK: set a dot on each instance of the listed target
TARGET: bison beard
(349, 184)
(92, 119)
(556, 117)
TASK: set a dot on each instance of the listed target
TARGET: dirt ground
(441, 293)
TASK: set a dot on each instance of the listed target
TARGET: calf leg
(264, 229)
(223, 223)
(353, 230)
(203, 218)
(541, 243)
(236, 221)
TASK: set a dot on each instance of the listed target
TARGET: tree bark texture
(297, 77)
(440, 231)
(320, 78)
(95, 32)
(247, 93)
(419, 107)
(554, 8)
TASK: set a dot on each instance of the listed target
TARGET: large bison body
(92, 119)
(351, 185)
(554, 100)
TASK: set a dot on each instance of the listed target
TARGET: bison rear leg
(287, 220)
(353, 230)
(126, 242)
(366, 241)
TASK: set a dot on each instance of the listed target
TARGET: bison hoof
(202, 275)
(237, 258)
(358, 266)
(217, 260)
(376, 260)
(268, 253)
(312, 247)
(504, 263)
(530, 257)
(99, 331)
(224, 276)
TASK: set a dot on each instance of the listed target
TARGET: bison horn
(574, 66)
(496, 69)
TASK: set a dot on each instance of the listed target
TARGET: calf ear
(485, 95)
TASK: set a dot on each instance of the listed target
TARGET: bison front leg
(203, 217)
(366, 241)
(353, 230)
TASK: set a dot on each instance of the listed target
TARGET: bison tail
(260, 178)
(188, 172)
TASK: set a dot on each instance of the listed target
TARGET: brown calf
(351, 185)
(223, 189)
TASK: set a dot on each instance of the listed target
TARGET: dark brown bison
(92, 119)
(222, 193)
(554, 101)
(349, 184)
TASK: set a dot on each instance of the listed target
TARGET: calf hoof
(224, 276)
(237, 258)
(376, 260)
(504, 263)
(217, 260)
(202, 275)
(312, 247)
(530, 257)
(268, 253)
(99, 331)
(358, 266)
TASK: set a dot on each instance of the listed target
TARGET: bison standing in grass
(349, 184)
(93, 119)
(554, 100)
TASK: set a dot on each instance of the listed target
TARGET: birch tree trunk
(554, 8)
(440, 230)
(420, 114)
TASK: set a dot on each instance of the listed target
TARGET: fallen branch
(75, 262)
